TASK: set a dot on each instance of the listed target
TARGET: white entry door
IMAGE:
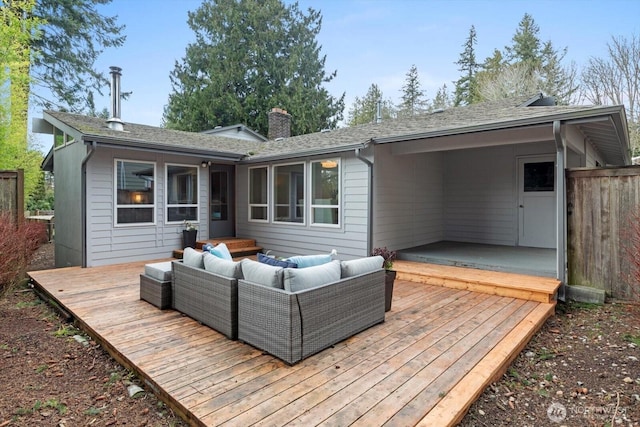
(537, 201)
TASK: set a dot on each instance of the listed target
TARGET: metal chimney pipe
(379, 111)
(114, 121)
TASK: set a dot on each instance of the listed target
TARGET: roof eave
(499, 125)
(134, 144)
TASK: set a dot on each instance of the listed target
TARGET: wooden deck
(433, 356)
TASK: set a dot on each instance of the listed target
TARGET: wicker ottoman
(155, 284)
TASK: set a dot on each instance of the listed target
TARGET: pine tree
(250, 56)
(413, 101)
(365, 110)
(73, 35)
(526, 44)
(466, 86)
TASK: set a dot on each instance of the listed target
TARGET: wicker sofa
(207, 297)
(293, 325)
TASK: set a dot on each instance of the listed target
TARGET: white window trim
(258, 205)
(115, 194)
(310, 192)
(166, 194)
(273, 194)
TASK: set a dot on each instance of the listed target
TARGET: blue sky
(367, 41)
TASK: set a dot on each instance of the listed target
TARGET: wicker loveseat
(295, 324)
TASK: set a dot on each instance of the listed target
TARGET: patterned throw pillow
(275, 262)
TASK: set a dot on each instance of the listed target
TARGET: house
(483, 174)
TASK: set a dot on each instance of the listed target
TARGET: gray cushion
(359, 266)
(222, 267)
(159, 270)
(263, 274)
(298, 279)
(192, 258)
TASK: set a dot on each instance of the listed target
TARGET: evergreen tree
(365, 110)
(466, 86)
(527, 66)
(413, 101)
(73, 34)
(526, 44)
(250, 56)
(442, 100)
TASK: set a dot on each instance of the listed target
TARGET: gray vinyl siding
(110, 244)
(67, 193)
(481, 193)
(350, 239)
(408, 199)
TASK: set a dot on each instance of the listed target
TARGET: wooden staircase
(238, 247)
(532, 288)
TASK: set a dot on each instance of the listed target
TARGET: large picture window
(258, 199)
(135, 192)
(182, 193)
(288, 193)
(325, 192)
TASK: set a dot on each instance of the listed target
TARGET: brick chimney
(279, 124)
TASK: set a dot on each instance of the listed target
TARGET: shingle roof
(94, 127)
(473, 118)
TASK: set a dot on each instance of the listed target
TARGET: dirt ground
(581, 369)
(51, 374)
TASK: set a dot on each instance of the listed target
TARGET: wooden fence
(12, 193)
(600, 205)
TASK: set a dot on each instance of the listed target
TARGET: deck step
(533, 288)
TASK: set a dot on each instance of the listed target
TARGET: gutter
(180, 151)
(301, 154)
(561, 209)
(83, 201)
(369, 164)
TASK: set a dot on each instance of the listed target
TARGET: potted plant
(189, 234)
(390, 275)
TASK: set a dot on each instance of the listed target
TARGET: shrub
(18, 243)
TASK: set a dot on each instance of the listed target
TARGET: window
(135, 192)
(539, 176)
(325, 192)
(288, 193)
(258, 201)
(182, 193)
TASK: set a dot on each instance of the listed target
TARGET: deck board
(437, 350)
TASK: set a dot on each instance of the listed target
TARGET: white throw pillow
(192, 258)
(298, 279)
(355, 267)
(263, 274)
(222, 267)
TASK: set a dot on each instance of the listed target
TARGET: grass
(635, 339)
(41, 368)
(65, 331)
(93, 411)
(25, 304)
(38, 405)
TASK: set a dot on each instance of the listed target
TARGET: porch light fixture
(329, 164)
(204, 164)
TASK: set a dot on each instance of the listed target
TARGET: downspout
(83, 202)
(369, 164)
(561, 209)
